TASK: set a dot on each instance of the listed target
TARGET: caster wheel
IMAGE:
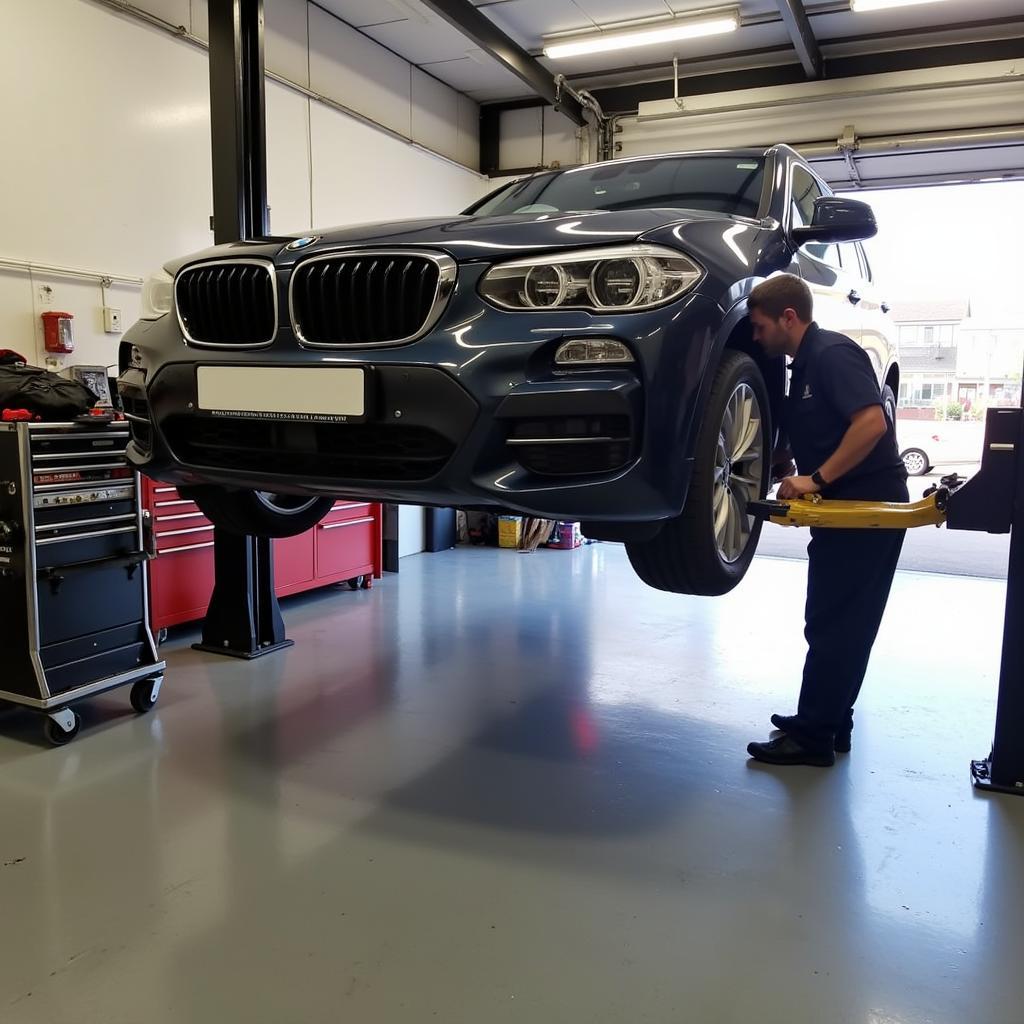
(161, 636)
(355, 583)
(144, 694)
(367, 583)
(57, 734)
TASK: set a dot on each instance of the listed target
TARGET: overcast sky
(950, 242)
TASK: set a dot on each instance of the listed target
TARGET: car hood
(485, 239)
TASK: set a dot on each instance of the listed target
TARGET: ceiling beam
(478, 28)
(798, 26)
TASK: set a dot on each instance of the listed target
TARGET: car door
(878, 330)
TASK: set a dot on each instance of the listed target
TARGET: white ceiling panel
(528, 21)
(421, 40)
(478, 73)
(606, 12)
(364, 12)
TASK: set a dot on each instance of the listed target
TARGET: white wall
(106, 166)
(539, 137)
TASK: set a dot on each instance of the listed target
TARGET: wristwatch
(819, 479)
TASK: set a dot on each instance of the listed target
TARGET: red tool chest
(344, 546)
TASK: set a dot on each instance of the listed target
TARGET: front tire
(707, 548)
(915, 460)
(259, 513)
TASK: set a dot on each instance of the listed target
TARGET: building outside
(953, 365)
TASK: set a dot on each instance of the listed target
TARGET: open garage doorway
(948, 262)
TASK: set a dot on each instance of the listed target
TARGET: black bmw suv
(574, 346)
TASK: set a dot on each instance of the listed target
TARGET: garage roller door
(902, 128)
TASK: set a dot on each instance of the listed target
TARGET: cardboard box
(510, 529)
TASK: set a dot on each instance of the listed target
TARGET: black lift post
(243, 619)
(1003, 770)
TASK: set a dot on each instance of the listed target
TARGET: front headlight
(621, 278)
(157, 295)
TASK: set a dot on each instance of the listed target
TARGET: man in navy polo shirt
(845, 447)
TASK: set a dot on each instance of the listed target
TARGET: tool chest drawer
(345, 545)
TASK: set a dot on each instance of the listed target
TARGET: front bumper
(473, 415)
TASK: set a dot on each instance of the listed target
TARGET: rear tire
(259, 513)
(731, 466)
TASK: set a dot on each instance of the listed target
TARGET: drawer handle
(186, 547)
(50, 527)
(85, 536)
(182, 515)
(349, 522)
(181, 533)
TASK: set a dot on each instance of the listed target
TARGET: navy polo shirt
(832, 379)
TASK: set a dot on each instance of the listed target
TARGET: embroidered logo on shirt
(807, 392)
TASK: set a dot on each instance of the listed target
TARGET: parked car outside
(574, 346)
(926, 445)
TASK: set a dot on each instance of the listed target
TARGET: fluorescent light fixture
(663, 32)
(860, 6)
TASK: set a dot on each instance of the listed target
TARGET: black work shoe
(785, 750)
(842, 741)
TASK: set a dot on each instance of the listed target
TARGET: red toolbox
(345, 546)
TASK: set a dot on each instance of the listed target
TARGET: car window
(719, 184)
(805, 191)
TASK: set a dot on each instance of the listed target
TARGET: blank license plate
(323, 394)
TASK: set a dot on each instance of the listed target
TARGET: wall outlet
(111, 320)
(53, 364)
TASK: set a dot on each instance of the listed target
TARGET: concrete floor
(513, 788)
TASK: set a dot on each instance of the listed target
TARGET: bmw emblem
(301, 243)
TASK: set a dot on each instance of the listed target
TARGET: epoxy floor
(506, 787)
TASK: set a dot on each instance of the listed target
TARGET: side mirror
(837, 220)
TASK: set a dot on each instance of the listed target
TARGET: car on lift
(573, 346)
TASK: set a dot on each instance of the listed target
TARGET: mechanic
(845, 447)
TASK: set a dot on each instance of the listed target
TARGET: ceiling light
(664, 32)
(860, 6)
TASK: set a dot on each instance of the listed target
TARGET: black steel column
(243, 619)
(238, 120)
(1003, 770)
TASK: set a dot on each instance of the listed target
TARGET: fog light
(592, 352)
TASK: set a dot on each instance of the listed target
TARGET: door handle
(854, 296)
(886, 307)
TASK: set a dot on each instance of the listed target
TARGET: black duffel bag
(43, 393)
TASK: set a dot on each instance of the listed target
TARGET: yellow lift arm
(813, 510)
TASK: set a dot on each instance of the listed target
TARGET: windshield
(720, 184)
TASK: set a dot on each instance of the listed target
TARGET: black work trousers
(849, 576)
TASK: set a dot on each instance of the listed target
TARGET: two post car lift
(244, 620)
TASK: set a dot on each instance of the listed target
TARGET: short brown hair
(784, 291)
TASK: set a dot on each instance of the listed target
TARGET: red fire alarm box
(58, 335)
